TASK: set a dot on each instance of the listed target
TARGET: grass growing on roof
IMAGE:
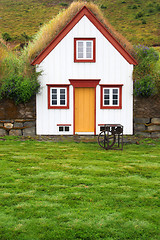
(47, 32)
(73, 191)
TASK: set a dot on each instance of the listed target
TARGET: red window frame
(49, 96)
(75, 50)
(119, 106)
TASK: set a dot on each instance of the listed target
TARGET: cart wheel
(106, 141)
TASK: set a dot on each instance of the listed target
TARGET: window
(84, 49)
(111, 96)
(63, 127)
(58, 96)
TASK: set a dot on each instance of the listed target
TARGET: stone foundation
(18, 127)
(147, 127)
(147, 107)
(147, 116)
(18, 120)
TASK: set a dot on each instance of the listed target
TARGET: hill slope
(137, 20)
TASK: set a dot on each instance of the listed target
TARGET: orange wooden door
(84, 109)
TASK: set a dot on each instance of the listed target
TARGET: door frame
(84, 83)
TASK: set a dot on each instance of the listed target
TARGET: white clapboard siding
(58, 67)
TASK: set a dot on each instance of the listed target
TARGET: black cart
(111, 136)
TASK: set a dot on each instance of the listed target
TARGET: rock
(155, 120)
(18, 124)
(143, 134)
(154, 128)
(8, 125)
(15, 132)
(155, 134)
(30, 124)
(29, 131)
(3, 132)
(141, 120)
(28, 114)
(139, 127)
(19, 120)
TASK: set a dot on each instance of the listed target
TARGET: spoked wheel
(106, 141)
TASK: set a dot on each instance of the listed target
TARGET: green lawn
(62, 191)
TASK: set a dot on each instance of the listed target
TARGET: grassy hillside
(137, 20)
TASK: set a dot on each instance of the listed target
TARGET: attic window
(84, 49)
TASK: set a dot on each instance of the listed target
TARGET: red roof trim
(84, 12)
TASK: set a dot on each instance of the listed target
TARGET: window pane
(62, 91)
(80, 49)
(88, 55)
(80, 44)
(115, 102)
(115, 96)
(60, 129)
(106, 91)
(62, 96)
(106, 102)
(106, 96)
(54, 96)
(88, 44)
(54, 91)
(88, 50)
(66, 129)
(62, 102)
(54, 102)
(115, 91)
(80, 55)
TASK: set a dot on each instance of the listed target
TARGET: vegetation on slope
(18, 79)
(146, 74)
(137, 20)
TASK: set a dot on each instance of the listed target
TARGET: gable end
(84, 12)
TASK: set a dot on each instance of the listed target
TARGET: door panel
(84, 109)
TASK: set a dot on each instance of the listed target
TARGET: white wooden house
(86, 80)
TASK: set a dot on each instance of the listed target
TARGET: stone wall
(20, 120)
(17, 120)
(147, 107)
(147, 116)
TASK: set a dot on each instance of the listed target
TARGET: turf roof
(50, 30)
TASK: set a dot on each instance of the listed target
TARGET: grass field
(71, 190)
